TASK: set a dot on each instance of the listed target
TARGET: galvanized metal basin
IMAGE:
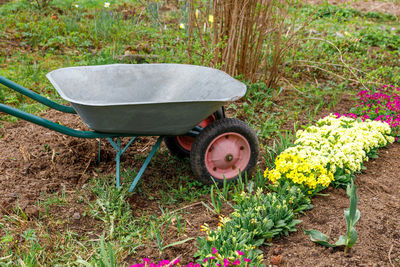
(145, 99)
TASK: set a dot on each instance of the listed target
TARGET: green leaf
(353, 238)
(356, 217)
(341, 241)
(85, 263)
(318, 237)
(353, 200)
(258, 243)
(103, 252)
(178, 243)
(208, 207)
(111, 255)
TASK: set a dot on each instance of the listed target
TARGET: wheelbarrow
(179, 103)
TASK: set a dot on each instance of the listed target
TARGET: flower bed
(328, 153)
(331, 151)
(334, 148)
(382, 104)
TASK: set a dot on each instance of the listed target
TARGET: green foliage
(352, 215)
(113, 210)
(340, 13)
(384, 37)
(257, 219)
(158, 236)
(295, 198)
(266, 215)
(344, 14)
(279, 144)
(257, 102)
(107, 256)
(342, 178)
(105, 259)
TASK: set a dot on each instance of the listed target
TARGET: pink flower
(246, 260)
(240, 253)
(236, 262)
(214, 250)
(226, 262)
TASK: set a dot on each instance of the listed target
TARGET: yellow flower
(181, 26)
(211, 18)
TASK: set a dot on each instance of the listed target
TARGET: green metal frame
(76, 133)
(117, 147)
(35, 96)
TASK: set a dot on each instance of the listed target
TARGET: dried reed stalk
(245, 37)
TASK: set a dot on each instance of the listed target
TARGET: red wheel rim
(186, 141)
(227, 154)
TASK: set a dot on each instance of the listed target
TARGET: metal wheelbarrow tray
(180, 102)
(146, 99)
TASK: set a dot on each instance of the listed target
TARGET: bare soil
(36, 162)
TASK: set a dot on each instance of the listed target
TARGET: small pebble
(276, 251)
(76, 216)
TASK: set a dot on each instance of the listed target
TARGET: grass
(342, 51)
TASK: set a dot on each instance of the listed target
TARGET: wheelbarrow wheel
(223, 150)
(180, 146)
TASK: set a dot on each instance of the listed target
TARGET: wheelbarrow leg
(119, 152)
(118, 161)
(145, 164)
(99, 157)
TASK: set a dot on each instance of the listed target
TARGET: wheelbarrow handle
(45, 101)
(55, 126)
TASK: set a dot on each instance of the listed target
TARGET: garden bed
(38, 164)
(59, 207)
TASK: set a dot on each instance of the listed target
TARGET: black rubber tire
(176, 149)
(220, 113)
(198, 152)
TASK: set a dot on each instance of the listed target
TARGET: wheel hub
(227, 154)
(228, 157)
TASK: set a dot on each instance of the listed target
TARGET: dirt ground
(35, 162)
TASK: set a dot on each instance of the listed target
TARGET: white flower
(107, 4)
(76, 5)
(181, 26)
